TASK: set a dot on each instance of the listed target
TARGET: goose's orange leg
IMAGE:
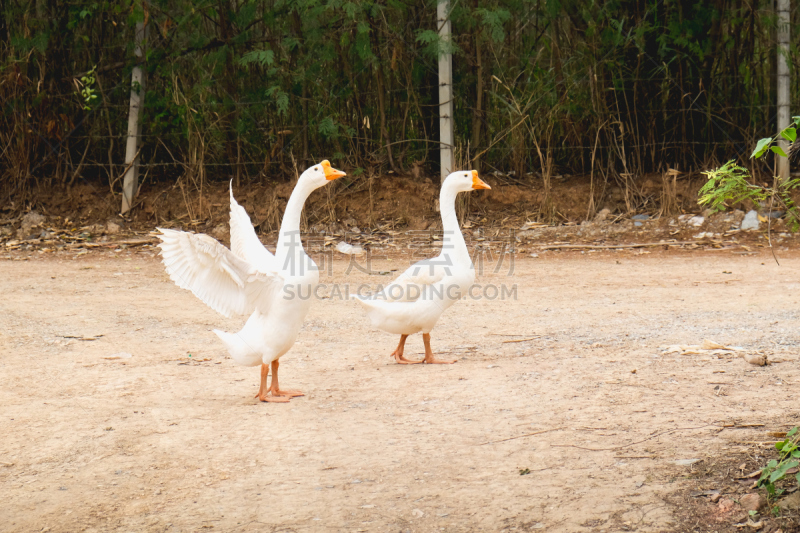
(398, 353)
(276, 391)
(429, 359)
(263, 392)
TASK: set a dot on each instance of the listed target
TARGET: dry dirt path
(96, 441)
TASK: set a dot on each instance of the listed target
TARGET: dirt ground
(121, 411)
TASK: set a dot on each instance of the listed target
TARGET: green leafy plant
(87, 89)
(730, 183)
(768, 143)
(777, 469)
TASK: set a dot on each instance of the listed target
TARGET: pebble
(349, 249)
(750, 221)
(29, 221)
(602, 215)
(752, 502)
(791, 503)
(220, 231)
(726, 505)
(755, 359)
(696, 221)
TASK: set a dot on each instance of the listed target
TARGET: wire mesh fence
(262, 89)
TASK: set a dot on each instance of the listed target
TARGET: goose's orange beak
(478, 183)
(330, 172)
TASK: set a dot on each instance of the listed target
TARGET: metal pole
(445, 92)
(784, 83)
(130, 183)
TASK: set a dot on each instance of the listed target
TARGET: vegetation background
(254, 89)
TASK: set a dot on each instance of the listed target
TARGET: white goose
(247, 279)
(416, 299)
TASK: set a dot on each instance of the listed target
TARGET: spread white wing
(220, 278)
(244, 241)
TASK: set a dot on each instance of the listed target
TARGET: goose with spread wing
(248, 280)
(416, 299)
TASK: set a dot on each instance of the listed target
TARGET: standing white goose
(416, 299)
(247, 279)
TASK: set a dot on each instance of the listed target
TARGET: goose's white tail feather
(402, 318)
(240, 350)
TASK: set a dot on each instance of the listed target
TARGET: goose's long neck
(289, 244)
(453, 240)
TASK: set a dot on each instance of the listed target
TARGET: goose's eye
(316, 168)
(466, 175)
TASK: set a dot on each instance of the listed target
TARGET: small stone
(219, 231)
(349, 249)
(354, 229)
(715, 498)
(750, 221)
(112, 228)
(417, 513)
(534, 255)
(29, 221)
(790, 503)
(726, 505)
(32, 219)
(641, 217)
(602, 215)
(696, 221)
(687, 462)
(755, 359)
(752, 502)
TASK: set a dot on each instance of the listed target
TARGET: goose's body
(414, 301)
(275, 290)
